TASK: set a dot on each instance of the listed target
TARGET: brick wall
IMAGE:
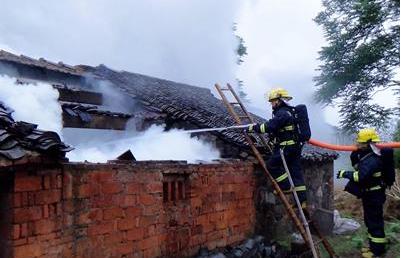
(146, 209)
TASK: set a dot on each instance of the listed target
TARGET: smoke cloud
(185, 41)
(38, 103)
(153, 144)
(35, 103)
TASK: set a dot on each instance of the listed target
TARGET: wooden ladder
(304, 226)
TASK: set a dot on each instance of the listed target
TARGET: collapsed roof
(17, 139)
(194, 105)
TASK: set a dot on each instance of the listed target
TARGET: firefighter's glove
(250, 129)
(344, 174)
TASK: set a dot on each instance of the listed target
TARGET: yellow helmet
(367, 135)
(278, 93)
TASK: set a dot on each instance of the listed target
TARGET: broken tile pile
(252, 247)
(85, 112)
(18, 138)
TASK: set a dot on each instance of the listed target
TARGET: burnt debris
(18, 138)
(256, 247)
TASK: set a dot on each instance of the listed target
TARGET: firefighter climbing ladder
(303, 227)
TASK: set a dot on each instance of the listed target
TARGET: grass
(350, 245)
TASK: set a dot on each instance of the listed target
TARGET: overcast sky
(185, 41)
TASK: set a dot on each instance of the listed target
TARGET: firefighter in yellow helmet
(283, 129)
(366, 182)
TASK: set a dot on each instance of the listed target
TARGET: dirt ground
(349, 206)
(350, 245)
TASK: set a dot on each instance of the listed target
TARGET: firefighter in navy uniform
(282, 129)
(366, 182)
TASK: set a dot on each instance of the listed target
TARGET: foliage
(241, 50)
(361, 59)
(350, 245)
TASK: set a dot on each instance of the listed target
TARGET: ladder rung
(234, 103)
(224, 89)
(243, 117)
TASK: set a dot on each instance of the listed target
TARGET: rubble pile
(251, 248)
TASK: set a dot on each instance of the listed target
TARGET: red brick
(113, 213)
(132, 212)
(135, 234)
(203, 219)
(154, 187)
(51, 236)
(154, 252)
(31, 183)
(214, 235)
(16, 231)
(90, 216)
(46, 182)
(147, 199)
(45, 211)
(47, 197)
(54, 180)
(196, 230)
(17, 200)
(196, 202)
(133, 188)
(67, 186)
(24, 230)
(111, 187)
(104, 176)
(127, 200)
(125, 224)
(100, 229)
(84, 191)
(217, 216)
(114, 238)
(24, 198)
(125, 248)
(21, 241)
(103, 201)
(44, 227)
(26, 214)
(151, 210)
(31, 198)
(27, 251)
(145, 221)
(59, 181)
(149, 242)
(59, 209)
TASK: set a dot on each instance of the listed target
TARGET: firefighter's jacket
(368, 174)
(281, 127)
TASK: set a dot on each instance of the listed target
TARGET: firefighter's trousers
(372, 202)
(275, 165)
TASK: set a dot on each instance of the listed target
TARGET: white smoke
(153, 144)
(34, 103)
(38, 103)
(186, 41)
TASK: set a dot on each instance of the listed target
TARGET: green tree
(361, 59)
(241, 52)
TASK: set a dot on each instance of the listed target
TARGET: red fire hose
(350, 147)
